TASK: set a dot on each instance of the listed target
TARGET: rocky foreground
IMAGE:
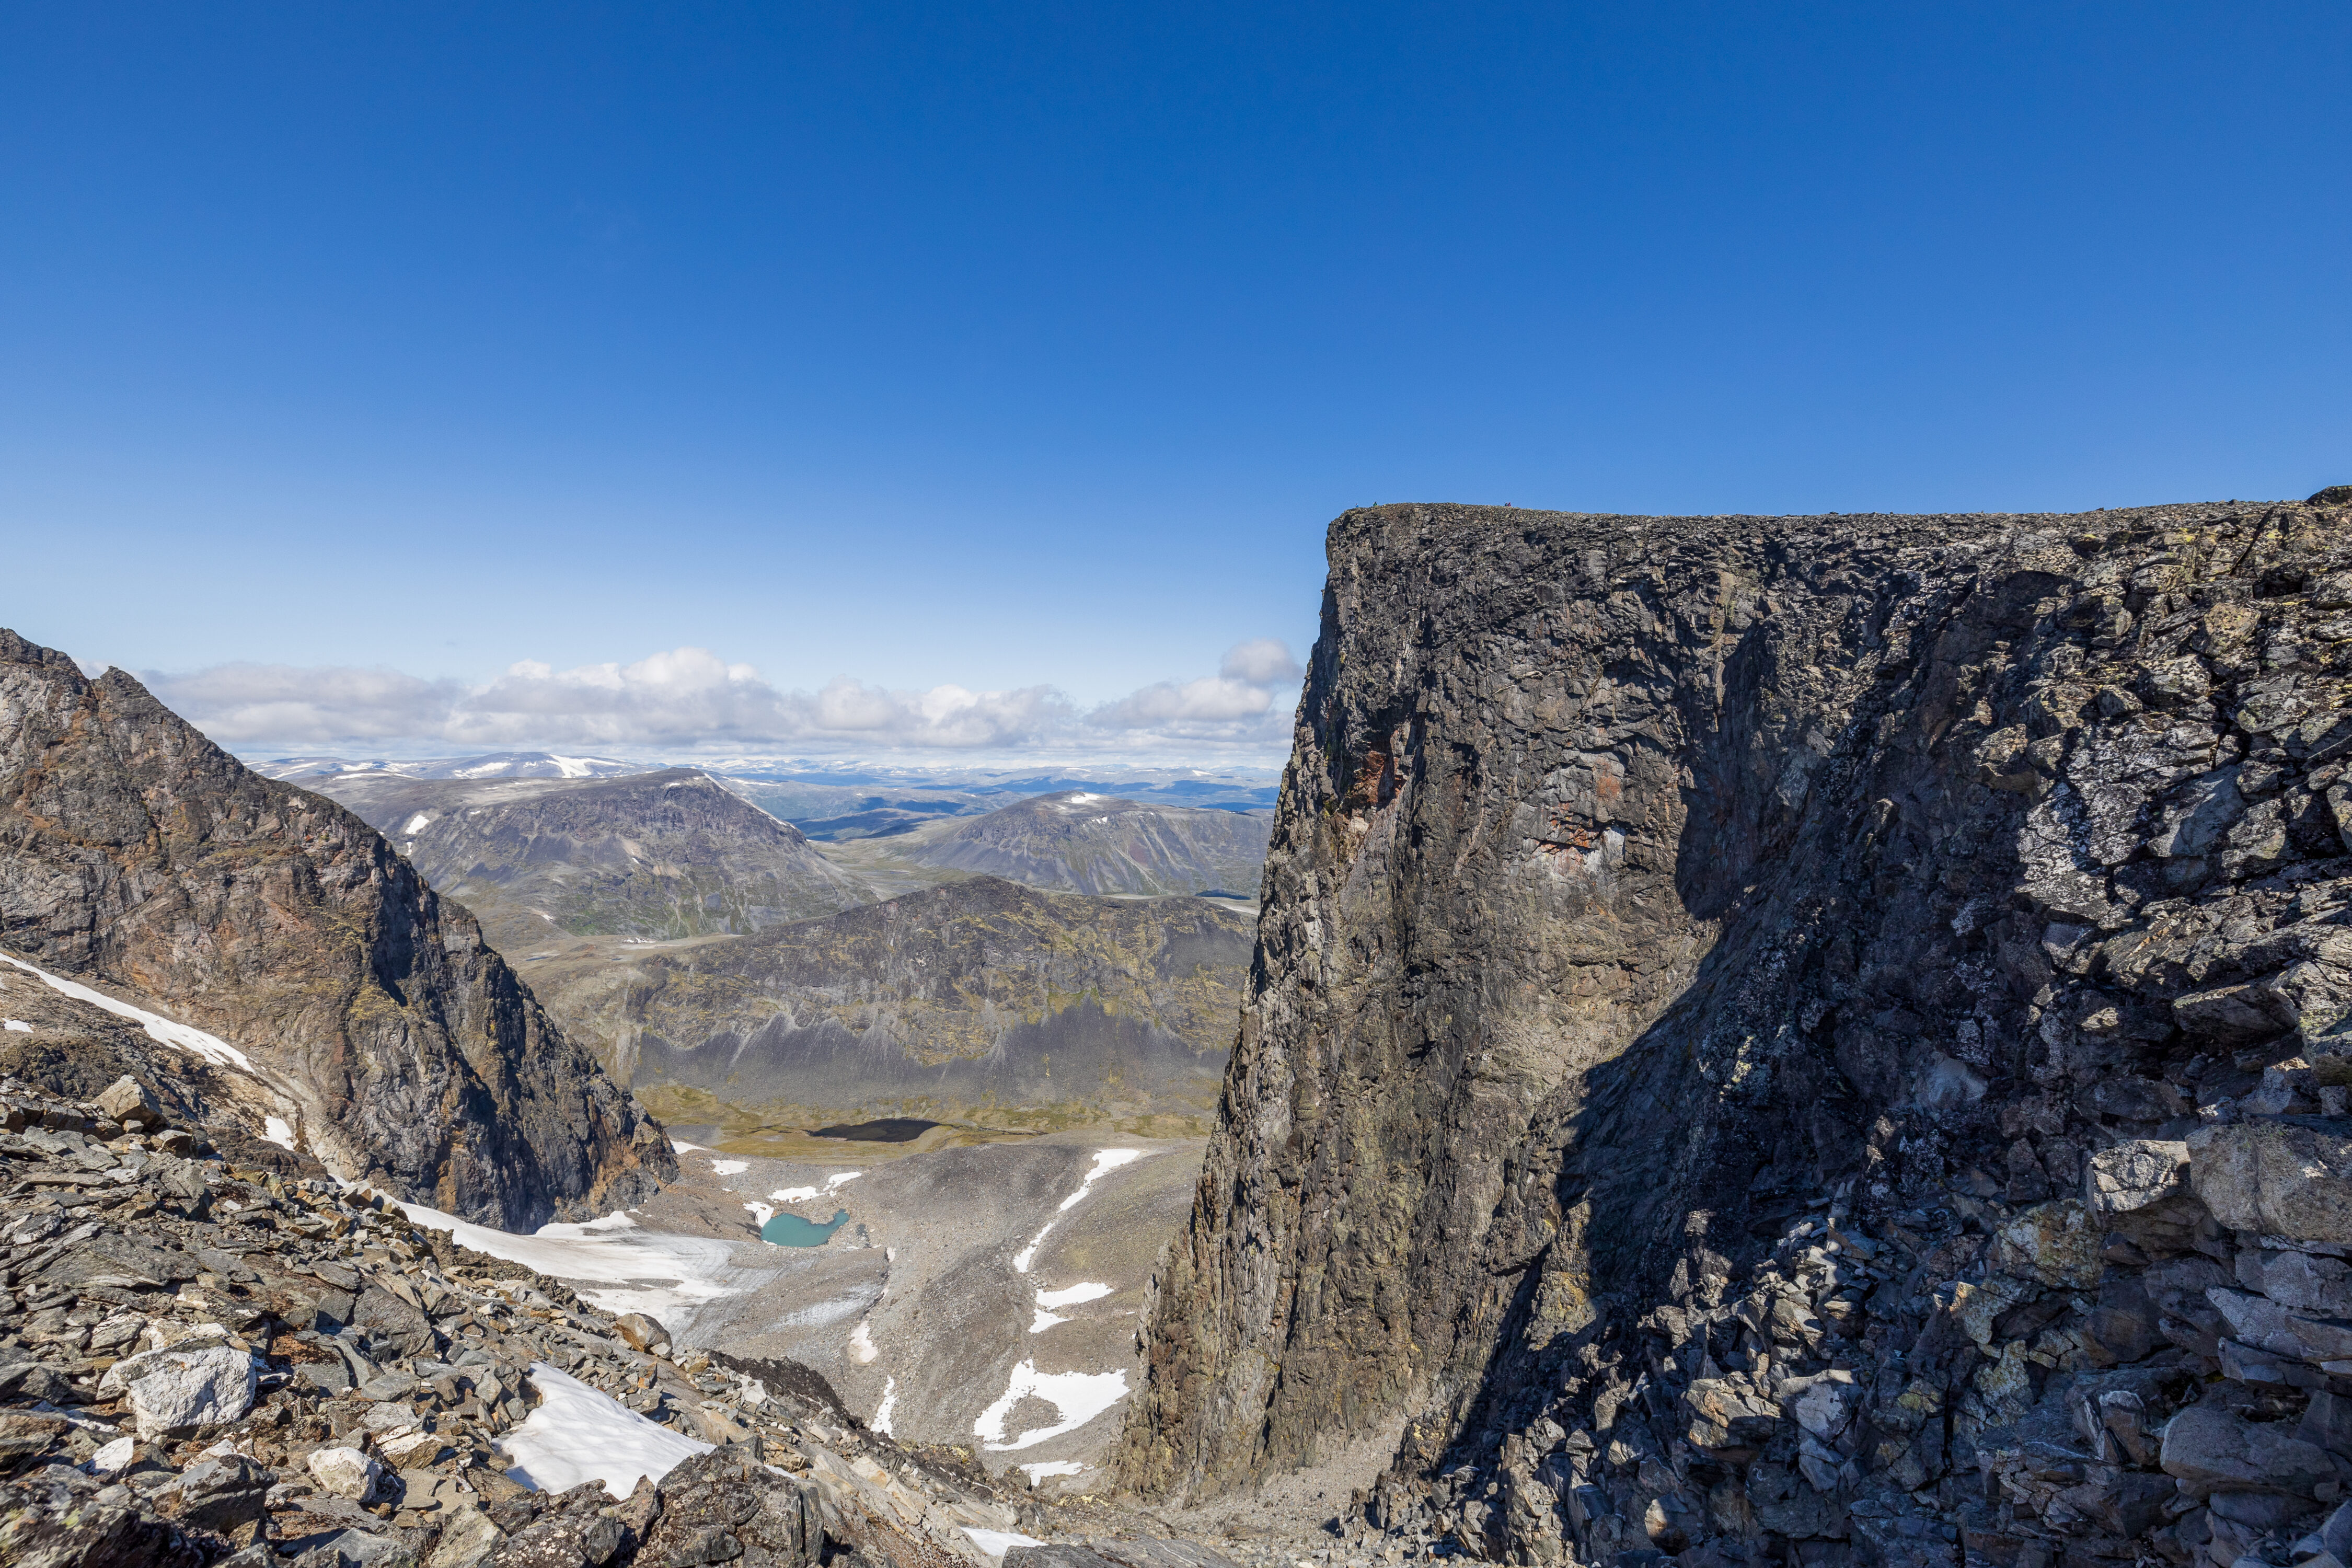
(204, 1362)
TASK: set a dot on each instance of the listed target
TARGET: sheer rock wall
(1807, 1039)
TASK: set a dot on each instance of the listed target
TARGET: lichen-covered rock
(718, 1506)
(2133, 1174)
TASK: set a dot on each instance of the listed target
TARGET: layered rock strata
(1814, 1039)
(137, 856)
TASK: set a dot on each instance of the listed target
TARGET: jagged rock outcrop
(1817, 1040)
(665, 854)
(1091, 843)
(137, 856)
(979, 993)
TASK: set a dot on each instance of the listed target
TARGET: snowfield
(664, 1276)
(1078, 1397)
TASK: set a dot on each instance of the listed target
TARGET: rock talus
(1813, 1039)
(136, 855)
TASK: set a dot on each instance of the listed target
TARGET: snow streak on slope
(1105, 1160)
(161, 1030)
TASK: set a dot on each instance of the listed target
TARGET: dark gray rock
(1699, 953)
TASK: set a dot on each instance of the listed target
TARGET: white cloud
(1261, 661)
(286, 702)
(688, 698)
(1246, 700)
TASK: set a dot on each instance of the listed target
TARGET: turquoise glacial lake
(791, 1230)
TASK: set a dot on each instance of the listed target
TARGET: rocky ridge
(1806, 1040)
(366, 1011)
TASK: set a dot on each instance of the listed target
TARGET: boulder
(717, 1506)
(177, 1388)
(126, 1097)
(345, 1472)
(2206, 1449)
(1722, 1415)
(219, 1494)
(2134, 1174)
(2274, 1178)
(642, 1332)
(468, 1538)
(2301, 1281)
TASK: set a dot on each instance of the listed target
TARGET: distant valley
(1011, 963)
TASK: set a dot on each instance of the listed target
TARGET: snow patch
(997, 1542)
(577, 1435)
(18, 1025)
(730, 1167)
(760, 1214)
(823, 1312)
(161, 1030)
(791, 1195)
(417, 823)
(677, 1146)
(1045, 1467)
(881, 1422)
(275, 1130)
(835, 1182)
(1076, 1397)
(1072, 1296)
(1044, 1320)
(862, 1349)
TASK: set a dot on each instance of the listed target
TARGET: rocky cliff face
(1815, 1039)
(668, 853)
(138, 856)
(981, 994)
(1089, 842)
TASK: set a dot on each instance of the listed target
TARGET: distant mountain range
(670, 923)
(669, 854)
(1085, 842)
(308, 770)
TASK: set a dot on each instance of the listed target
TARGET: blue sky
(1029, 348)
